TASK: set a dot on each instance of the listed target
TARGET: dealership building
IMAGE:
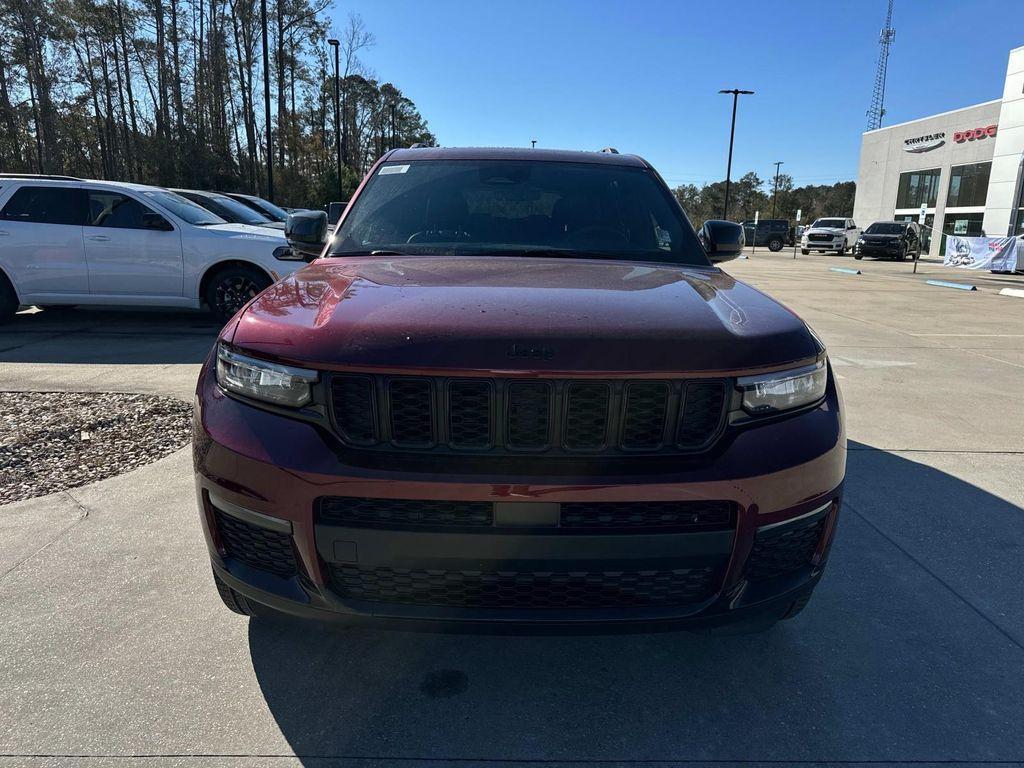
(966, 167)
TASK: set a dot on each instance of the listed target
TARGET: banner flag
(998, 254)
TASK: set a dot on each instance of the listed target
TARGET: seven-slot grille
(819, 237)
(559, 416)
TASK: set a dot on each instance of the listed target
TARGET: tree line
(172, 93)
(750, 194)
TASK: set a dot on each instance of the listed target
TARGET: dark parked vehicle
(516, 390)
(774, 233)
(228, 208)
(265, 207)
(889, 240)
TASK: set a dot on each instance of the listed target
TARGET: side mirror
(306, 231)
(334, 211)
(157, 222)
(722, 240)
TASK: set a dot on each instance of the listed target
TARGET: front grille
(784, 548)
(404, 513)
(257, 547)
(646, 515)
(820, 238)
(525, 589)
(513, 416)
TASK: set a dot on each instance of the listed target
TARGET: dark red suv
(515, 390)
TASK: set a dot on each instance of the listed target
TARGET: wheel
(858, 256)
(8, 300)
(842, 251)
(804, 251)
(234, 601)
(230, 288)
(775, 244)
(902, 256)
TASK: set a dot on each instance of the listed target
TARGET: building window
(917, 188)
(962, 224)
(968, 185)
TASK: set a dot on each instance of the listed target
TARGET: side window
(112, 209)
(45, 205)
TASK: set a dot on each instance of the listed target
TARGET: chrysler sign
(924, 143)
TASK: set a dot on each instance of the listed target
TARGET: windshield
(272, 212)
(885, 228)
(830, 223)
(517, 206)
(232, 210)
(183, 208)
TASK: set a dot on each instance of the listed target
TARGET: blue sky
(643, 75)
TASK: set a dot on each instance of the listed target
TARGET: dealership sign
(924, 143)
(974, 133)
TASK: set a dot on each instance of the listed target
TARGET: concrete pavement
(114, 648)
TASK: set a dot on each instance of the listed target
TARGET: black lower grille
(404, 513)
(257, 547)
(647, 515)
(785, 548)
(525, 589)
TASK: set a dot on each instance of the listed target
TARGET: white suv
(71, 241)
(830, 234)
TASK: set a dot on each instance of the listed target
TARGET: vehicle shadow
(871, 670)
(103, 336)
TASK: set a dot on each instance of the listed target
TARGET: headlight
(285, 253)
(261, 380)
(784, 390)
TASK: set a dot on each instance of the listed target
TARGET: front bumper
(821, 245)
(261, 479)
(879, 251)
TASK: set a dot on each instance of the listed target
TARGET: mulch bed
(53, 441)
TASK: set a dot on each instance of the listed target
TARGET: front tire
(842, 251)
(8, 300)
(231, 288)
(775, 244)
(858, 256)
(804, 251)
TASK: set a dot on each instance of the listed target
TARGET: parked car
(829, 234)
(514, 390)
(229, 209)
(890, 240)
(267, 208)
(70, 242)
(774, 233)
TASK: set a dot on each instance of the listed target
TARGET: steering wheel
(598, 232)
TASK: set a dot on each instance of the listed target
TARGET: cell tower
(885, 37)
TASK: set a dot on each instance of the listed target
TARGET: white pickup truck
(829, 234)
(66, 241)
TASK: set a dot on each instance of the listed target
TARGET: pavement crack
(83, 513)
(949, 587)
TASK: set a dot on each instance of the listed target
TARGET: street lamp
(337, 113)
(732, 133)
(775, 194)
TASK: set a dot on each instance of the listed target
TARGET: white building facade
(966, 167)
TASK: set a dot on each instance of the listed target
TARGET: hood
(872, 236)
(824, 231)
(248, 231)
(527, 314)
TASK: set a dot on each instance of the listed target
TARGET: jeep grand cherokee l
(515, 390)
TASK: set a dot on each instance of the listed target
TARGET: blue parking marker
(845, 271)
(946, 284)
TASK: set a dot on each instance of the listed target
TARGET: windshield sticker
(389, 169)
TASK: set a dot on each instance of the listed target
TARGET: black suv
(775, 233)
(889, 240)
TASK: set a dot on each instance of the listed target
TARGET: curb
(947, 284)
(1019, 293)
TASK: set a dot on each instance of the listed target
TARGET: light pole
(337, 113)
(775, 194)
(266, 104)
(533, 143)
(732, 133)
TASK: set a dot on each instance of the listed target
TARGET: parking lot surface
(115, 649)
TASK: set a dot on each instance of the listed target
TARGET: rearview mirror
(306, 231)
(722, 240)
